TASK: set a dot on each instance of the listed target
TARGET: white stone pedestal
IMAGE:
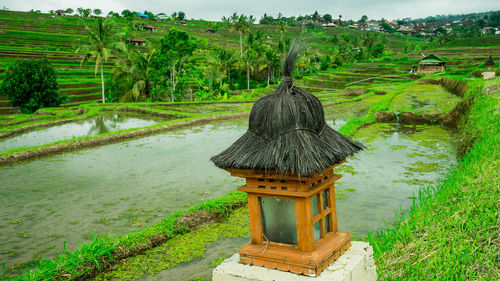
(356, 264)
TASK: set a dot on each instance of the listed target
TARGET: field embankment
(451, 232)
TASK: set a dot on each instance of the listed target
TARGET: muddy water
(87, 127)
(122, 187)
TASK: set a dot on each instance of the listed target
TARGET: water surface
(122, 187)
(87, 127)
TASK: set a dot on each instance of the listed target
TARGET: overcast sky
(215, 9)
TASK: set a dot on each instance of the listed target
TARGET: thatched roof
(432, 60)
(135, 39)
(489, 61)
(287, 133)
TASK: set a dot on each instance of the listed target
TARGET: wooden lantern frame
(309, 256)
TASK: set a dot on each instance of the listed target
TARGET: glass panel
(326, 195)
(327, 223)
(314, 203)
(317, 231)
(278, 220)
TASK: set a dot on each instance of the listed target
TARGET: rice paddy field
(127, 191)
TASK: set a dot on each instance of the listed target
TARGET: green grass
(354, 123)
(451, 231)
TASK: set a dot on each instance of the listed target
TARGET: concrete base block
(488, 75)
(356, 264)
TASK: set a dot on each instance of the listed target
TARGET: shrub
(31, 84)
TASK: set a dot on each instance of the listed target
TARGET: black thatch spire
(489, 61)
(287, 133)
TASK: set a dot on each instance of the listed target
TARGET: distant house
(406, 30)
(374, 25)
(137, 41)
(488, 30)
(210, 30)
(430, 64)
(149, 27)
(60, 12)
(143, 16)
(489, 73)
(328, 25)
(305, 21)
(183, 22)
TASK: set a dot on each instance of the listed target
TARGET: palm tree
(248, 61)
(137, 69)
(227, 61)
(241, 25)
(100, 45)
(271, 62)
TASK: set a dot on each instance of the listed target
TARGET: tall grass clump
(452, 232)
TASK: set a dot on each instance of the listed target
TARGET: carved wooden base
(291, 259)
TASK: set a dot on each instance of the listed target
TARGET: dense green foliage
(31, 84)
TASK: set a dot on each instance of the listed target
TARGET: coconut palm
(101, 43)
(227, 60)
(248, 61)
(136, 70)
(242, 26)
(272, 61)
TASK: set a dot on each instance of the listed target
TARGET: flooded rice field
(378, 181)
(83, 128)
(121, 187)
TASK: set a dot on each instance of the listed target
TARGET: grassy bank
(354, 123)
(452, 230)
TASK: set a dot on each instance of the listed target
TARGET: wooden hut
(149, 27)
(60, 12)
(210, 30)
(137, 41)
(430, 64)
(489, 73)
(287, 157)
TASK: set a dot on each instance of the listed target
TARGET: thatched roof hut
(137, 41)
(149, 27)
(287, 133)
(430, 64)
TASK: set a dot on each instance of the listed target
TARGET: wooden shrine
(311, 241)
(287, 157)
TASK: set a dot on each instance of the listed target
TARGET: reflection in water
(87, 127)
(381, 179)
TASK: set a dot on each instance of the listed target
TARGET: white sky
(215, 9)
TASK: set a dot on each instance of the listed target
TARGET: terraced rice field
(324, 83)
(34, 36)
